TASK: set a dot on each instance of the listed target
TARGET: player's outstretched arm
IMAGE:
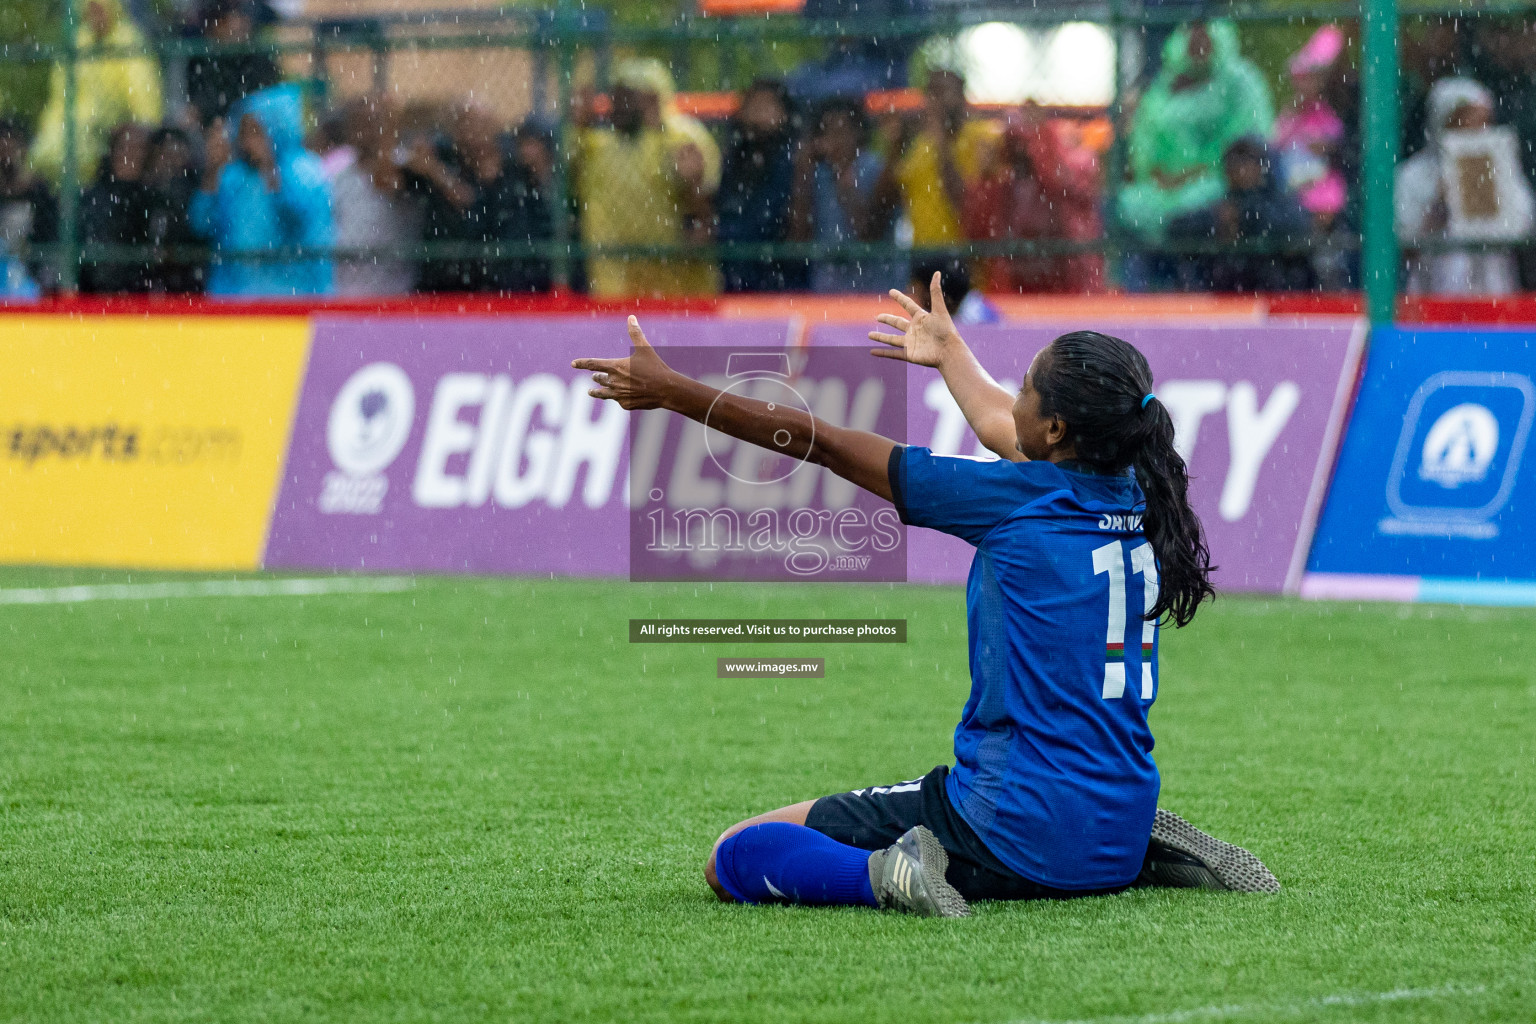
(644, 381)
(930, 339)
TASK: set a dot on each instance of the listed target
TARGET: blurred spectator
(1309, 130)
(15, 282)
(113, 212)
(856, 64)
(1336, 259)
(1309, 137)
(1257, 207)
(474, 193)
(756, 181)
(331, 137)
(216, 82)
(533, 146)
(1205, 97)
(647, 180)
(108, 91)
(1456, 106)
(171, 175)
(28, 216)
(1431, 49)
(1506, 62)
(1154, 34)
(372, 207)
(834, 200)
(931, 176)
(1037, 188)
(965, 305)
(262, 193)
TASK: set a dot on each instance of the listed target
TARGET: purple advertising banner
(1257, 410)
(467, 444)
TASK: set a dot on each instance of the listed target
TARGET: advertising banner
(144, 443)
(1434, 498)
(1257, 409)
(468, 444)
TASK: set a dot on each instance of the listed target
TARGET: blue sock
(777, 861)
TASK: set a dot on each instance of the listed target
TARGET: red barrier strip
(425, 305)
(1509, 309)
(1418, 309)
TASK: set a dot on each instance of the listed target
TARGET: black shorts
(874, 818)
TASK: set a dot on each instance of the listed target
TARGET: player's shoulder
(984, 464)
(975, 474)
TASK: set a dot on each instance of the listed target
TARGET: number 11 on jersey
(1111, 559)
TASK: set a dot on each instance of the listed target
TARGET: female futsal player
(1084, 540)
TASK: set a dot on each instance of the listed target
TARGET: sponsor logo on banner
(492, 440)
(31, 443)
(485, 440)
(1463, 441)
(1433, 494)
(370, 422)
(128, 442)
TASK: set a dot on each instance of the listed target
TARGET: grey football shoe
(1183, 857)
(908, 876)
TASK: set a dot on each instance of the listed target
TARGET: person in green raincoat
(1205, 97)
(109, 91)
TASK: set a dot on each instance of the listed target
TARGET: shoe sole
(1234, 867)
(945, 898)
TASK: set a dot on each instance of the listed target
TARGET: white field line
(207, 588)
(1305, 1008)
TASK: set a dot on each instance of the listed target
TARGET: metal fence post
(1380, 141)
(1114, 173)
(69, 185)
(565, 51)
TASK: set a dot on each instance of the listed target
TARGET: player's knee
(711, 875)
(712, 879)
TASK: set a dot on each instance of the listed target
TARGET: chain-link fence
(1105, 144)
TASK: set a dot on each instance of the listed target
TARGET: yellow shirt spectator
(109, 91)
(935, 220)
(630, 191)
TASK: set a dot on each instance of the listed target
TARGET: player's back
(1053, 752)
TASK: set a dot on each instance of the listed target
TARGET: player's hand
(637, 382)
(926, 336)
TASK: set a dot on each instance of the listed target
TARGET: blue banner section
(1436, 477)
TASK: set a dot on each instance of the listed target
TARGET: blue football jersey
(1053, 755)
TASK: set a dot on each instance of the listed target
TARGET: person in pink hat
(1309, 131)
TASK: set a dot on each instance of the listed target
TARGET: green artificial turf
(476, 801)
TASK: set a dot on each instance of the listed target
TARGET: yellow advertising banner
(152, 442)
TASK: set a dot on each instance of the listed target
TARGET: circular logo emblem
(767, 466)
(371, 419)
(1461, 445)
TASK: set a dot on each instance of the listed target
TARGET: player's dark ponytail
(1099, 386)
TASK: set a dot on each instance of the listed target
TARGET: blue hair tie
(1145, 400)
